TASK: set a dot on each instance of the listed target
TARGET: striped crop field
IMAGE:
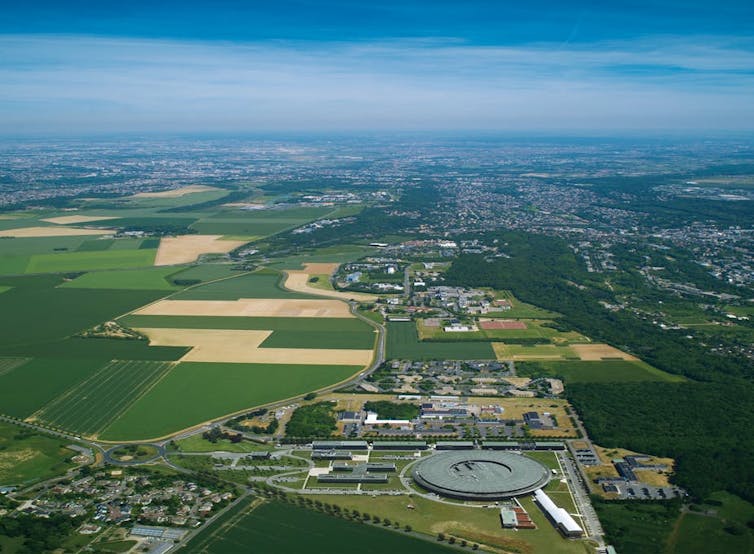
(93, 404)
(9, 364)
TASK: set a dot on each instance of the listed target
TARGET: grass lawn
(133, 279)
(480, 525)
(506, 351)
(89, 261)
(26, 456)
(116, 546)
(194, 392)
(403, 342)
(605, 371)
(535, 329)
(197, 443)
(520, 309)
(274, 527)
(331, 254)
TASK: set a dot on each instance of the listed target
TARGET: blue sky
(230, 66)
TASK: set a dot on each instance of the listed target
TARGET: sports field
(403, 342)
(274, 527)
(95, 402)
(192, 393)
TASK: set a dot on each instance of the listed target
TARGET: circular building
(480, 475)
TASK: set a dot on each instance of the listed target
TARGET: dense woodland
(700, 423)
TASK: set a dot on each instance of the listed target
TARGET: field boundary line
(68, 392)
(169, 367)
(114, 417)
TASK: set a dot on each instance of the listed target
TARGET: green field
(94, 403)
(4, 289)
(9, 364)
(89, 261)
(261, 284)
(197, 443)
(26, 389)
(35, 312)
(276, 528)
(331, 254)
(155, 278)
(288, 332)
(477, 525)
(196, 392)
(520, 310)
(403, 342)
(206, 272)
(605, 371)
(26, 456)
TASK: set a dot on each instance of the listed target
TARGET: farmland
(193, 392)
(605, 371)
(91, 405)
(134, 279)
(273, 527)
(260, 284)
(89, 261)
(403, 342)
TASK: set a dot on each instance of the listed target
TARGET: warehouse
(558, 516)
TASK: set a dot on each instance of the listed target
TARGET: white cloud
(88, 83)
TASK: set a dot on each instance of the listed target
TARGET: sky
(82, 66)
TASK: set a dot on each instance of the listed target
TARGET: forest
(698, 423)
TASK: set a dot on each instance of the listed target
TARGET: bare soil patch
(175, 193)
(187, 248)
(237, 346)
(34, 232)
(74, 219)
(598, 352)
(298, 280)
(249, 307)
(501, 324)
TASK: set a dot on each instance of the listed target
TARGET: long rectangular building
(559, 516)
(339, 445)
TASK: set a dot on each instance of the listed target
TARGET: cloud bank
(58, 84)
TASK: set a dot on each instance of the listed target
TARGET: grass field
(89, 261)
(94, 403)
(403, 342)
(331, 254)
(28, 388)
(9, 364)
(194, 392)
(133, 279)
(477, 525)
(197, 443)
(538, 352)
(520, 309)
(274, 528)
(26, 456)
(35, 312)
(606, 371)
(206, 272)
(254, 285)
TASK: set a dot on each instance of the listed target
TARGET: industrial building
(558, 516)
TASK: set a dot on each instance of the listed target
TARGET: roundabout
(479, 475)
